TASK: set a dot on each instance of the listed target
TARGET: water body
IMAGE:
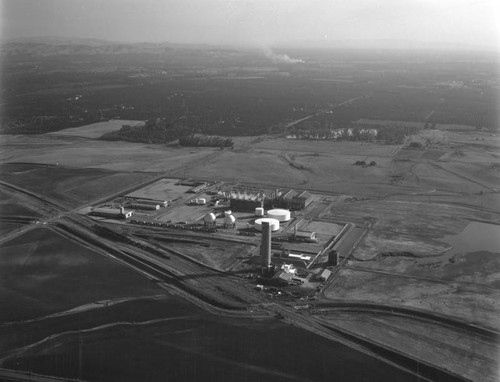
(476, 237)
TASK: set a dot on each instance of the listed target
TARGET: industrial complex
(274, 223)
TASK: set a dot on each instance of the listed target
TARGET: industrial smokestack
(265, 246)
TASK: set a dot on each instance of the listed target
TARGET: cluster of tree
(363, 163)
(205, 140)
(415, 145)
(390, 134)
(157, 130)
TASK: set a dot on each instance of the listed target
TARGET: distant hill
(389, 44)
(57, 46)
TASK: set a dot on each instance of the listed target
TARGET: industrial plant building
(112, 213)
(144, 206)
(324, 275)
(305, 236)
(246, 201)
(161, 203)
(296, 200)
(249, 200)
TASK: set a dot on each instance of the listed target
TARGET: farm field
(9, 205)
(70, 186)
(5, 228)
(222, 349)
(42, 273)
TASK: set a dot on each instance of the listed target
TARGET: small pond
(476, 237)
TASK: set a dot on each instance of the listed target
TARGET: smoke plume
(282, 58)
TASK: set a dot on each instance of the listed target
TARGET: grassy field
(10, 206)
(163, 189)
(42, 273)
(82, 153)
(439, 126)
(476, 303)
(426, 341)
(320, 165)
(221, 255)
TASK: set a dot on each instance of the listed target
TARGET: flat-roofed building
(111, 212)
(324, 275)
(307, 236)
(296, 200)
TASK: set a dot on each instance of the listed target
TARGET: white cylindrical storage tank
(209, 218)
(259, 211)
(202, 201)
(229, 220)
(279, 214)
(275, 224)
(227, 213)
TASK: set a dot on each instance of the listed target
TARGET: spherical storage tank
(279, 214)
(229, 220)
(209, 218)
(275, 224)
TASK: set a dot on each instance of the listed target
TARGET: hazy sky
(471, 22)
